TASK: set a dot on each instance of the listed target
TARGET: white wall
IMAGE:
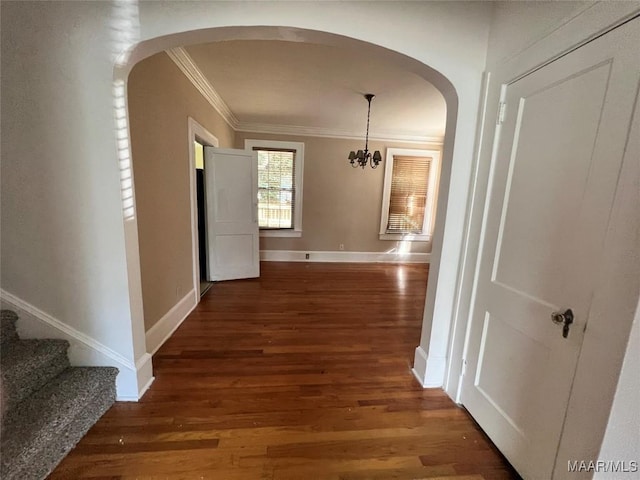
(63, 248)
(62, 242)
(622, 438)
(516, 26)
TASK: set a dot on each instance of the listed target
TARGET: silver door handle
(563, 318)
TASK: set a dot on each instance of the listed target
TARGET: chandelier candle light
(361, 157)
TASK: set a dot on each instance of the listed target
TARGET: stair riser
(19, 386)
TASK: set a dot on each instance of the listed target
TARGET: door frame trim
(577, 45)
(196, 132)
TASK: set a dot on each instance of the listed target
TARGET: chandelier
(362, 157)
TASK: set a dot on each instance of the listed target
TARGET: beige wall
(341, 204)
(160, 101)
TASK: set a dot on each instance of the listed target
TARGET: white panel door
(553, 180)
(231, 185)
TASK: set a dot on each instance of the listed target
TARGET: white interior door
(553, 180)
(231, 185)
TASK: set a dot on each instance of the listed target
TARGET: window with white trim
(280, 173)
(409, 196)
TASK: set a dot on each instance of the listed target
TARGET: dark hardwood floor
(301, 374)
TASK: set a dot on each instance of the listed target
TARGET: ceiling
(305, 88)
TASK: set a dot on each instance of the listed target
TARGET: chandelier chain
(366, 140)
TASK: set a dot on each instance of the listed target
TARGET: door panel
(543, 175)
(497, 374)
(553, 181)
(233, 193)
(232, 225)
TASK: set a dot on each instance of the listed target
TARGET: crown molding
(330, 133)
(186, 64)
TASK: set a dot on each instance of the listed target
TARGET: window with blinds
(408, 195)
(276, 188)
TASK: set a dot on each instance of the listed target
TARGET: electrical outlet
(342, 246)
(306, 256)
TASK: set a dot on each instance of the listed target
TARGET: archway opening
(288, 34)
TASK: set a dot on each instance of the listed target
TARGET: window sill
(281, 233)
(406, 237)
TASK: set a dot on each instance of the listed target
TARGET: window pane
(408, 199)
(275, 188)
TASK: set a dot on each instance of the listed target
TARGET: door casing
(195, 131)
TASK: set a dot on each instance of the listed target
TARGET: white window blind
(408, 195)
(276, 188)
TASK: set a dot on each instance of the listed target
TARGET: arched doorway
(438, 329)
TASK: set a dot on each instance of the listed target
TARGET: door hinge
(502, 108)
(464, 367)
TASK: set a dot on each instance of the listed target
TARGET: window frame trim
(432, 193)
(298, 147)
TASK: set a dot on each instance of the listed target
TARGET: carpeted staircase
(48, 405)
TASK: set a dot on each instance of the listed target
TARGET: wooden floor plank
(303, 373)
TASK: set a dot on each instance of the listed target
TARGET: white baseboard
(341, 256)
(429, 370)
(144, 379)
(83, 350)
(420, 365)
(434, 376)
(164, 328)
(144, 367)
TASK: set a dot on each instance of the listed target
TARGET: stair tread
(50, 405)
(28, 365)
(33, 423)
(24, 354)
